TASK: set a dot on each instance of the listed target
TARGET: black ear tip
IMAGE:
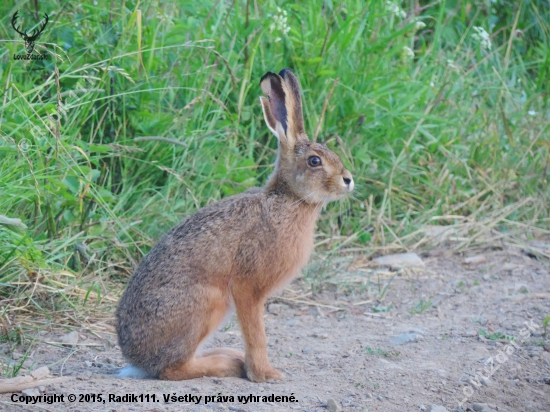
(283, 72)
(265, 76)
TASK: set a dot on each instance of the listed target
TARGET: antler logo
(29, 39)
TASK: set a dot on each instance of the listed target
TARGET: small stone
(292, 322)
(380, 398)
(88, 364)
(16, 356)
(399, 260)
(484, 381)
(42, 388)
(70, 339)
(333, 406)
(31, 392)
(480, 407)
(274, 308)
(475, 260)
(85, 376)
(41, 372)
(436, 408)
(546, 380)
(403, 338)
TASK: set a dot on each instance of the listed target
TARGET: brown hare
(233, 253)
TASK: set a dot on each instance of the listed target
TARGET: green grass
(422, 306)
(494, 336)
(145, 112)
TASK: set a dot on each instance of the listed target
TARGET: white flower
(532, 113)
(279, 22)
(394, 8)
(419, 25)
(407, 52)
(482, 37)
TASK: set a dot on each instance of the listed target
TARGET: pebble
(485, 381)
(475, 260)
(292, 322)
(31, 392)
(436, 408)
(403, 338)
(399, 260)
(70, 339)
(481, 407)
(380, 398)
(274, 308)
(85, 376)
(41, 372)
(333, 406)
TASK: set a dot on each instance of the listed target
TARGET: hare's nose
(348, 181)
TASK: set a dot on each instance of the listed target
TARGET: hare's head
(310, 170)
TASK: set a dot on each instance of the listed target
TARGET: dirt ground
(430, 342)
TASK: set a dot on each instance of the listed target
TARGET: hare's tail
(132, 371)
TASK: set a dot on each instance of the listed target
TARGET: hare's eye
(314, 161)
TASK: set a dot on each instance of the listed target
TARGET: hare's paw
(262, 375)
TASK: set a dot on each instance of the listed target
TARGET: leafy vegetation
(144, 112)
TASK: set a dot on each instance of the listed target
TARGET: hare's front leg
(250, 311)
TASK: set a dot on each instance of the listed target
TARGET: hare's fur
(234, 252)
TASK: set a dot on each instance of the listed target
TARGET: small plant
(545, 324)
(494, 336)
(381, 352)
(11, 368)
(422, 306)
(379, 309)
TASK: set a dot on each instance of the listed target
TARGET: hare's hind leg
(221, 362)
(214, 365)
(234, 353)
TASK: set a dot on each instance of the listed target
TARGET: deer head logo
(29, 38)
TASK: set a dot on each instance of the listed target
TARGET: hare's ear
(293, 104)
(281, 106)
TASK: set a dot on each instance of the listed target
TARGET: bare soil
(436, 331)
